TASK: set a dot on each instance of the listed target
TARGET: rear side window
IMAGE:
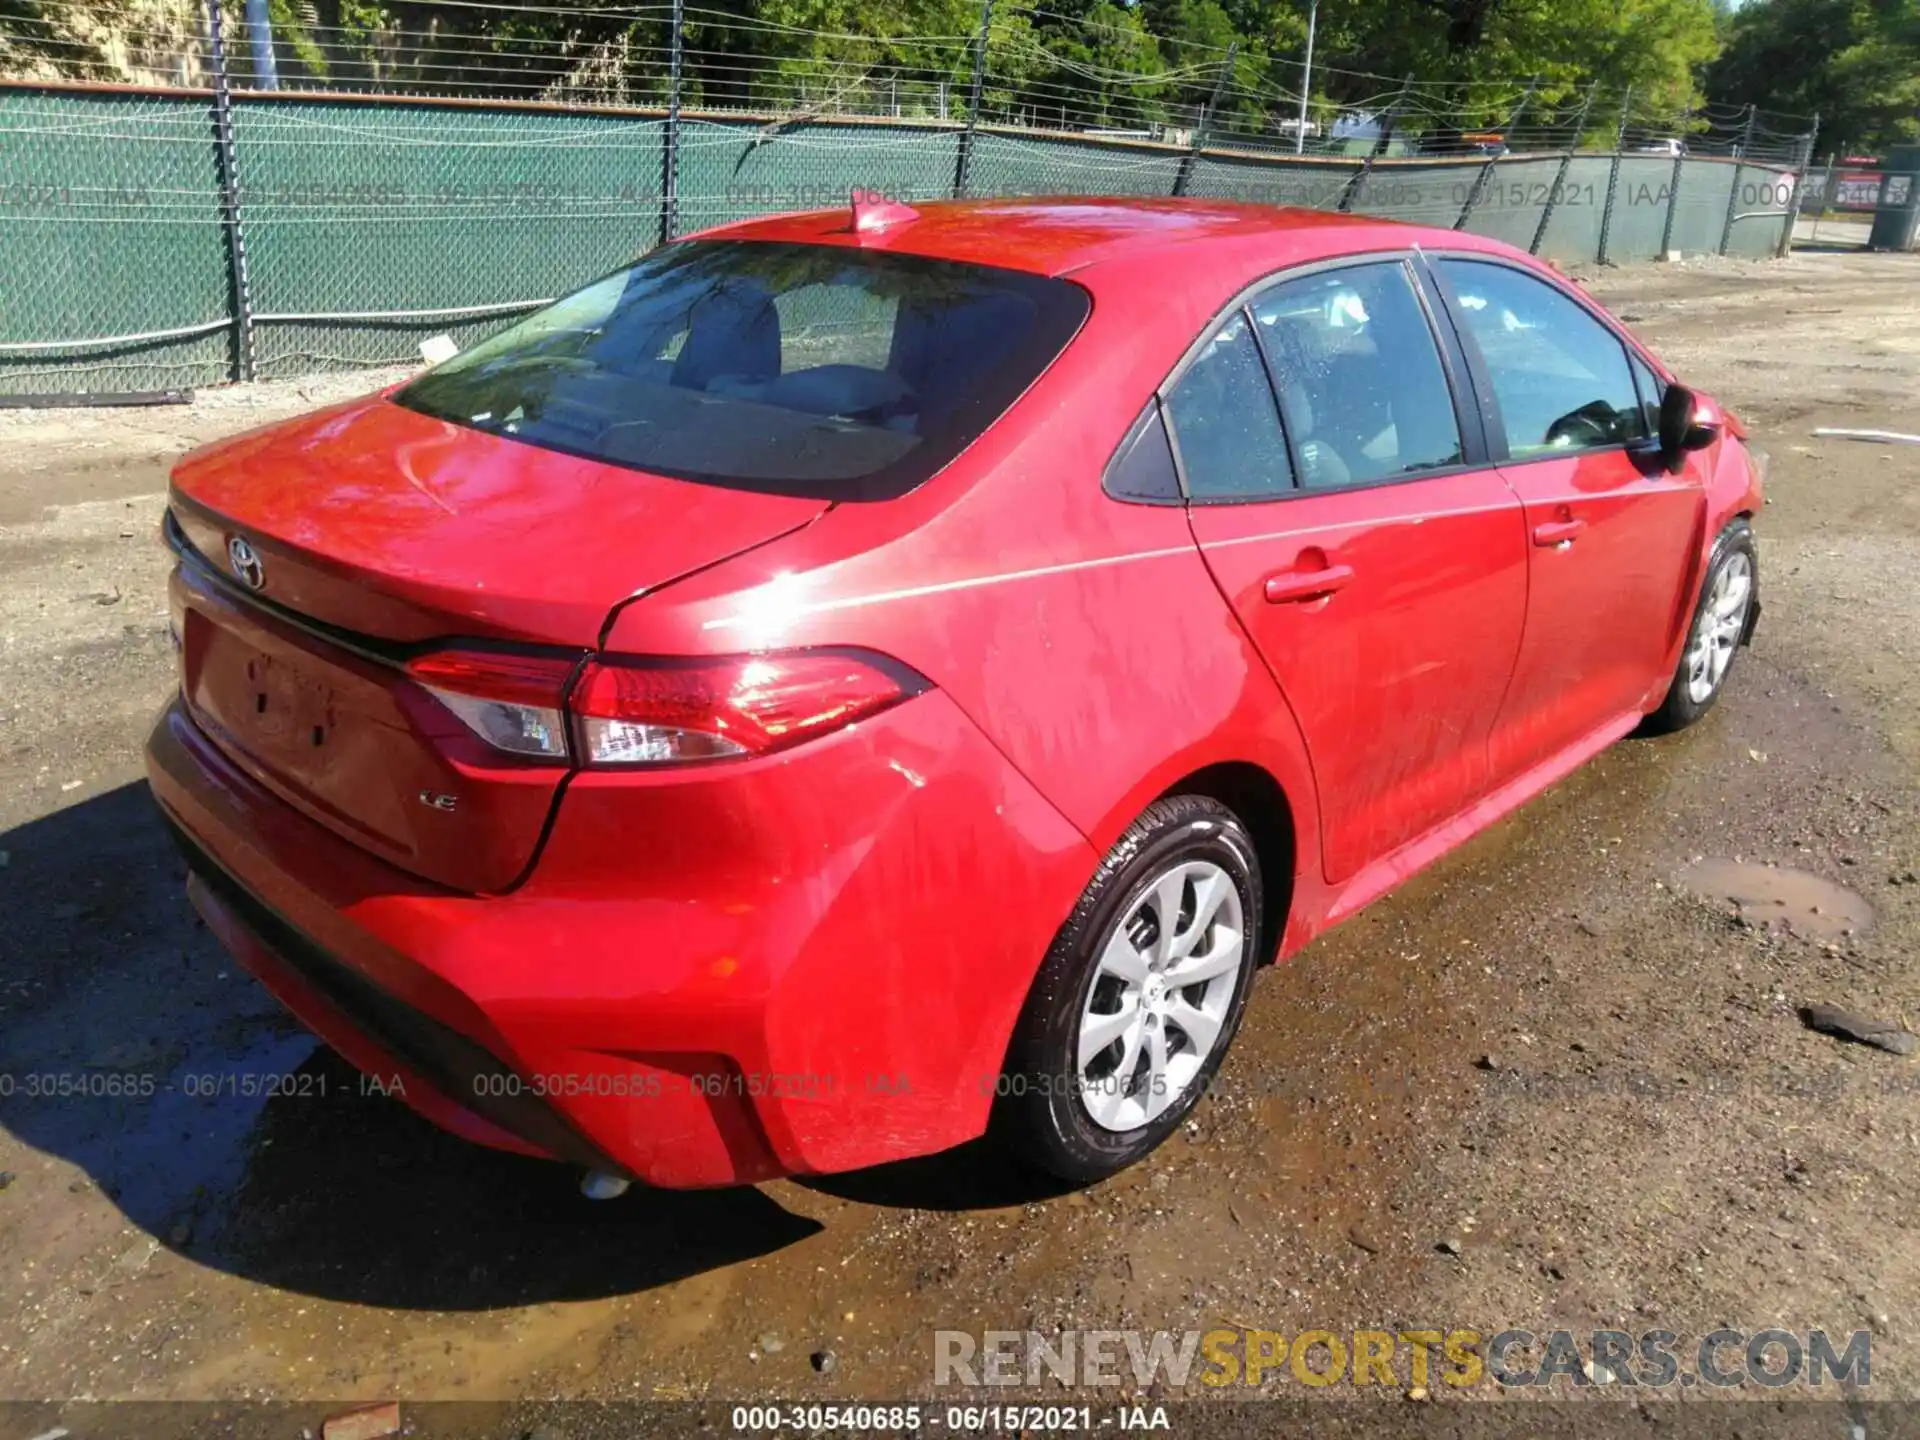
(1361, 385)
(810, 370)
(1560, 377)
(1142, 468)
(1231, 446)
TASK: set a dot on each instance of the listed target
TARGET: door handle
(1557, 532)
(1294, 585)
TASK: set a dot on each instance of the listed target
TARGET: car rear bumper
(805, 964)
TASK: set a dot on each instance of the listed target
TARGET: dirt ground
(1543, 1085)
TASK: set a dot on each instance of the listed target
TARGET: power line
(614, 53)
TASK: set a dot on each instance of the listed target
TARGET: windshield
(809, 370)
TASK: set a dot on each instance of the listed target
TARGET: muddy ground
(1546, 1054)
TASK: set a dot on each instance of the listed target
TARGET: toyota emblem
(245, 563)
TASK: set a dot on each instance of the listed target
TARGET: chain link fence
(160, 238)
(1841, 189)
(113, 274)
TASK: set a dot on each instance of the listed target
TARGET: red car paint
(811, 960)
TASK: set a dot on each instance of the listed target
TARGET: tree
(1476, 53)
(1104, 63)
(1854, 62)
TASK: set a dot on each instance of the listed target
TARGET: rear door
(1610, 532)
(1379, 567)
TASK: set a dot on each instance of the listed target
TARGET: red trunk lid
(375, 530)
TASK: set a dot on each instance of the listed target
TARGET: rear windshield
(801, 369)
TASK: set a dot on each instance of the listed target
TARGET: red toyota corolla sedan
(853, 680)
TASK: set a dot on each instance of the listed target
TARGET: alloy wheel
(1717, 631)
(1160, 995)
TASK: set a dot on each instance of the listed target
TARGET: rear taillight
(513, 702)
(658, 712)
(666, 712)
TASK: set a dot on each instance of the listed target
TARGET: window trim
(1244, 314)
(1463, 421)
(1475, 440)
(1499, 452)
(1149, 412)
(1650, 403)
(891, 482)
(1476, 385)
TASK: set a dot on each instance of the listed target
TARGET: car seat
(733, 337)
(945, 347)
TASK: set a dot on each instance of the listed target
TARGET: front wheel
(1139, 997)
(1728, 594)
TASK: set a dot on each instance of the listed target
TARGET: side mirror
(1682, 427)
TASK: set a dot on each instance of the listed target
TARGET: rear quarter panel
(1083, 635)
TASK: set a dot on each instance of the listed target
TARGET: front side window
(1361, 385)
(1231, 446)
(1560, 377)
(813, 370)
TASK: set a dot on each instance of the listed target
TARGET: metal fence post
(1184, 175)
(1486, 171)
(1357, 182)
(1613, 175)
(1733, 191)
(1673, 203)
(241, 293)
(670, 141)
(1829, 186)
(1785, 247)
(963, 161)
(1560, 175)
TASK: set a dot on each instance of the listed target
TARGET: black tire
(1682, 707)
(1041, 1114)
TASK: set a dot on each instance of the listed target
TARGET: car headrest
(733, 331)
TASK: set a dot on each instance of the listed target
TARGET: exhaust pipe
(600, 1185)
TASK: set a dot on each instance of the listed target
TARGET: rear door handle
(1294, 585)
(1557, 532)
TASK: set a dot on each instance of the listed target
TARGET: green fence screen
(368, 225)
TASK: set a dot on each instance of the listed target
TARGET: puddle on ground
(1775, 896)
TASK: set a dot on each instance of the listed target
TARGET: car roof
(1060, 234)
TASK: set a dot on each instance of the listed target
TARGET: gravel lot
(1544, 1085)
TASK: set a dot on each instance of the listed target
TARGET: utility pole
(260, 35)
(1306, 77)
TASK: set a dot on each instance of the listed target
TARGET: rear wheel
(1720, 624)
(1139, 997)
